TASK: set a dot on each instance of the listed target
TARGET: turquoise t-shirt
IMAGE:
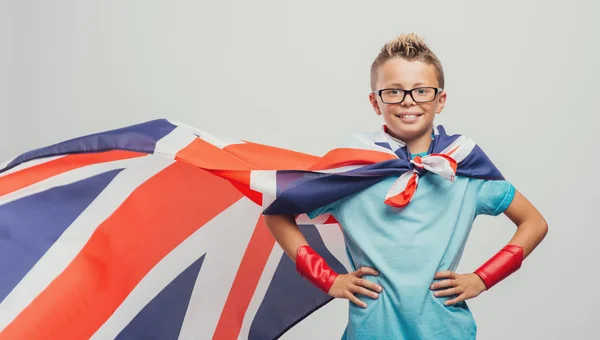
(408, 246)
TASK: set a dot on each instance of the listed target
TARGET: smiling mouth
(409, 115)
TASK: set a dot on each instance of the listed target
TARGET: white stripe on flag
(265, 182)
(70, 177)
(172, 143)
(216, 274)
(334, 241)
(70, 243)
(465, 146)
(220, 142)
(439, 165)
(340, 169)
(400, 184)
(26, 164)
(224, 239)
(261, 289)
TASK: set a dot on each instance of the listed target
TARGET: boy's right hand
(346, 285)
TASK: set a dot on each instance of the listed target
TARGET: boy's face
(408, 120)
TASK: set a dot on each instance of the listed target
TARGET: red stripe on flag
(403, 198)
(155, 219)
(241, 180)
(243, 288)
(37, 173)
(267, 157)
(206, 156)
(453, 150)
(451, 161)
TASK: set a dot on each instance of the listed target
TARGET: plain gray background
(521, 79)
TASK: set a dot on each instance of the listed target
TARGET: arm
(531, 230)
(313, 267)
(531, 225)
(286, 232)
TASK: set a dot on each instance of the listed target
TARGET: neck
(416, 145)
(419, 145)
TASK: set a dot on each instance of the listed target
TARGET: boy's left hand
(466, 286)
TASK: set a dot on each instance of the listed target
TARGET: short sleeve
(326, 209)
(494, 197)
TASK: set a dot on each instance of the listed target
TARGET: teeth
(408, 116)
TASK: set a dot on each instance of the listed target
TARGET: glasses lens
(392, 96)
(423, 94)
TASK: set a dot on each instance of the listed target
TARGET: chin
(409, 131)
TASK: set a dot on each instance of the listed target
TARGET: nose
(408, 100)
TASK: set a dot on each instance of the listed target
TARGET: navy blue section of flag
(162, 318)
(282, 296)
(140, 137)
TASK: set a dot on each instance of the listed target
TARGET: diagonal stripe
(231, 227)
(218, 141)
(32, 175)
(26, 165)
(271, 158)
(204, 155)
(265, 183)
(225, 240)
(29, 226)
(290, 298)
(261, 289)
(70, 177)
(335, 244)
(62, 252)
(460, 148)
(162, 317)
(244, 285)
(175, 141)
(157, 217)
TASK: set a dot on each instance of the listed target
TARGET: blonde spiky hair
(408, 46)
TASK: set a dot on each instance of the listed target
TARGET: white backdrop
(521, 79)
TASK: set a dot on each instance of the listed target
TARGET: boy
(403, 285)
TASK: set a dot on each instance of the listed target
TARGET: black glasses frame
(410, 92)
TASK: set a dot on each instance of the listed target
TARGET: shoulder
(493, 196)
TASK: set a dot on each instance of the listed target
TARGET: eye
(422, 91)
(394, 91)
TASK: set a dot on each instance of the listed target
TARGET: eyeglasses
(418, 95)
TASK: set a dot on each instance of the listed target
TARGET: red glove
(507, 261)
(313, 267)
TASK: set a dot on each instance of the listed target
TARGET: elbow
(545, 226)
(542, 226)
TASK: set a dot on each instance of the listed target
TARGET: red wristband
(507, 261)
(314, 268)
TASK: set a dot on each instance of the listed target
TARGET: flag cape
(156, 230)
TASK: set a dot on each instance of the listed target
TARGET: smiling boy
(404, 284)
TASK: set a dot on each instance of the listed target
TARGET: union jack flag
(156, 231)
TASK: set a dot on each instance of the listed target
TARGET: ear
(374, 103)
(441, 102)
